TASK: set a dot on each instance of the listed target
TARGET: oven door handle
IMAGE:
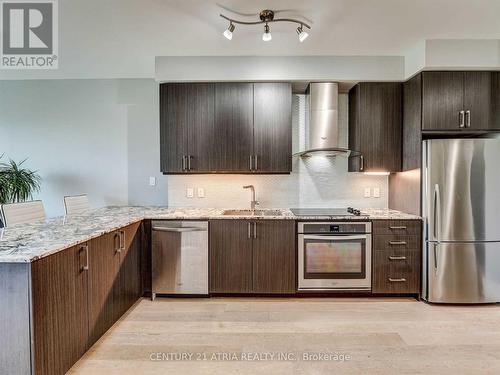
(336, 237)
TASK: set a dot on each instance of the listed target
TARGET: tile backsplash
(317, 181)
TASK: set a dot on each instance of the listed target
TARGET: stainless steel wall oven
(334, 256)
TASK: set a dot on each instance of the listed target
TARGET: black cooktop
(325, 211)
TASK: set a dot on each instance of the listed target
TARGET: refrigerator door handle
(437, 214)
(436, 258)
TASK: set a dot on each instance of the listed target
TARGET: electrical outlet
(152, 181)
(367, 192)
(376, 192)
(190, 192)
(201, 193)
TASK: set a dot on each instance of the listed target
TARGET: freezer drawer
(462, 272)
(179, 257)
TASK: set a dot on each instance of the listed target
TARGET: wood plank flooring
(381, 336)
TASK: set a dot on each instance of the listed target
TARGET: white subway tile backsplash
(318, 181)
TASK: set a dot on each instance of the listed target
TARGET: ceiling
(120, 38)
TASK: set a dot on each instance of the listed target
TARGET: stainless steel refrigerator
(461, 209)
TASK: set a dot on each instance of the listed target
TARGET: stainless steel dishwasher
(179, 257)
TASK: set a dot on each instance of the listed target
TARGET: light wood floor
(382, 336)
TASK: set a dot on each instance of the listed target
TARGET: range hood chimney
(322, 122)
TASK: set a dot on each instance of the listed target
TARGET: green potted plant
(17, 184)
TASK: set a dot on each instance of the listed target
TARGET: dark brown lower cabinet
(129, 277)
(60, 315)
(79, 293)
(104, 263)
(396, 256)
(274, 257)
(230, 256)
(252, 256)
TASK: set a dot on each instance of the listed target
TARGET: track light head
(228, 33)
(266, 37)
(302, 34)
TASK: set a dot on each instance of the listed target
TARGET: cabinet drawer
(388, 242)
(399, 227)
(396, 271)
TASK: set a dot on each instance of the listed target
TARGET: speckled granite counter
(28, 242)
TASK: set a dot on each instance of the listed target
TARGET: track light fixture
(302, 34)
(266, 37)
(229, 31)
(266, 17)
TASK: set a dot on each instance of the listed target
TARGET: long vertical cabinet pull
(249, 230)
(256, 166)
(86, 266)
(122, 240)
(189, 157)
(254, 230)
(362, 162)
(184, 166)
(251, 162)
(467, 119)
(461, 119)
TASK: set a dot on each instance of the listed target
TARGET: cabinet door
(482, 100)
(230, 256)
(378, 127)
(273, 127)
(412, 123)
(233, 144)
(200, 126)
(104, 262)
(173, 127)
(60, 326)
(274, 266)
(129, 281)
(443, 99)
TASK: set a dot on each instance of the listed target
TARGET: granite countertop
(28, 242)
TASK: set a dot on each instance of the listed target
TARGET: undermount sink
(252, 213)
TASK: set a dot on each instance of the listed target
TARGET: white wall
(78, 133)
(314, 182)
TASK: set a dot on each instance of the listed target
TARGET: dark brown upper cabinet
(272, 127)
(412, 123)
(375, 123)
(187, 127)
(233, 127)
(225, 127)
(460, 101)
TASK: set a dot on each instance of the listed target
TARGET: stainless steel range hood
(322, 122)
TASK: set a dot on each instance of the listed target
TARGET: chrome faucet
(253, 202)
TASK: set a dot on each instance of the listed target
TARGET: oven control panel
(334, 228)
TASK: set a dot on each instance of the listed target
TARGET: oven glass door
(334, 257)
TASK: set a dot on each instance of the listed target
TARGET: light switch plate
(376, 192)
(152, 181)
(190, 192)
(201, 193)
(367, 192)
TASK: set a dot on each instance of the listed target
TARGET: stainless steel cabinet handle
(256, 165)
(362, 162)
(397, 242)
(467, 119)
(118, 248)
(176, 229)
(254, 230)
(401, 280)
(189, 157)
(391, 257)
(183, 162)
(122, 240)
(249, 230)
(251, 163)
(86, 266)
(461, 119)
(402, 227)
